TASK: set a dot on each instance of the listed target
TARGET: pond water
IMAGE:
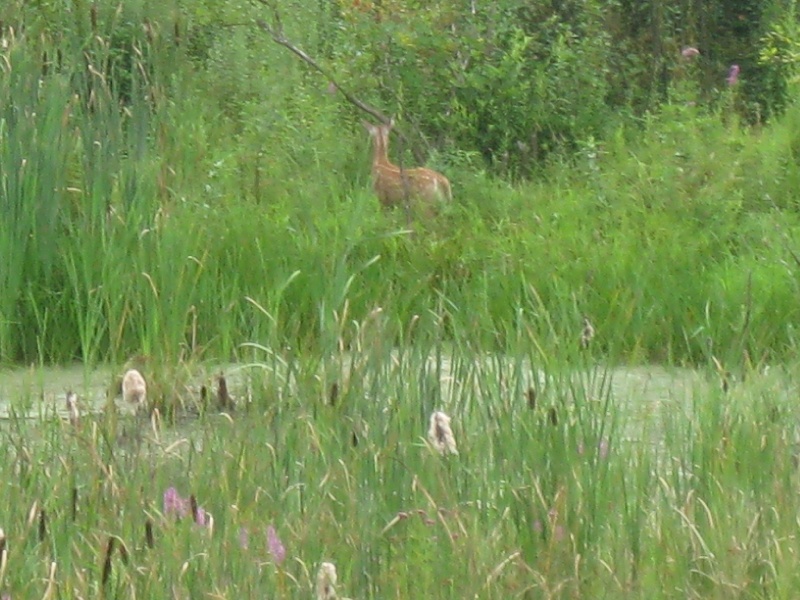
(37, 391)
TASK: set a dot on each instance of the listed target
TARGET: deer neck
(380, 157)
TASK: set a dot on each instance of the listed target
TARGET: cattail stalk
(107, 561)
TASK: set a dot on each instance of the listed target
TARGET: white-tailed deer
(397, 187)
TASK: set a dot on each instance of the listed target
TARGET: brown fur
(394, 185)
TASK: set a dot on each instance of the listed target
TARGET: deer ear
(391, 122)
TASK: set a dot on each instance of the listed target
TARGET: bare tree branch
(275, 31)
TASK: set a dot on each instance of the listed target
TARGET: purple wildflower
(200, 518)
(244, 538)
(733, 75)
(275, 545)
(174, 504)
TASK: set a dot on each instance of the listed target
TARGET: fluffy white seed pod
(440, 435)
(326, 582)
(134, 388)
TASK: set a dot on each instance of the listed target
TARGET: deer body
(395, 186)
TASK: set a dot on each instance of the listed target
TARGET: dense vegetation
(178, 191)
(175, 184)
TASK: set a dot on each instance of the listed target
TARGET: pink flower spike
(276, 549)
(174, 504)
(733, 75)
(690, 52)
(200, 518)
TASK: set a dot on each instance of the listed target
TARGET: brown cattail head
(194, 507)
(107, 560)
(42, 525)
(223, 397)
(333, 394)
(148, 533)
(532, 398)
(93, 16)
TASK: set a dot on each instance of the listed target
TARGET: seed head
(440, 435)
(587, 335)
(134, 388)
(72, 407)
(326, 582)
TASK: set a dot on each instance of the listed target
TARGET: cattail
(93, 16)
(148, 533)
(326, 582)
(203, 395)
(74, 503)
(194, 507)
(532, 398)
(587, 334)
(42, 525)
(107, 561)
(440, 435)
(134, 388)
(223, 397)
(333, 394)
(553, 416)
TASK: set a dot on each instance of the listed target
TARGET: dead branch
(275, 31)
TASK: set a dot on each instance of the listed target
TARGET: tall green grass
(583, 493)
(145, 216)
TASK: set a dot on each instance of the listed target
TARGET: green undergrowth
(141, 220)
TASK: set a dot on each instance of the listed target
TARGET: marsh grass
(143, 217)
(696, 500)
(143, 222)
